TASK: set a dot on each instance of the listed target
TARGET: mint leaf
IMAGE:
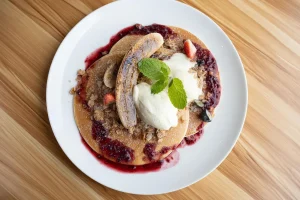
(177, 94)
(159, 86)
(154, 69)
(165, 69)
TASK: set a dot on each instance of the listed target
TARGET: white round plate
(94, 31)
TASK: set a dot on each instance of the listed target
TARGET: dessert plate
(195, 161)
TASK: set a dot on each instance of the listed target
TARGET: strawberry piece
(108, 99)
(189, 49)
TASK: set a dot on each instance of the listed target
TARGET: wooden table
(264, 164)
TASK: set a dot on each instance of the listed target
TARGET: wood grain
(264, 164)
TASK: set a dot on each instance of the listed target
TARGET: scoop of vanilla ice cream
(155, 109)
(180, 64)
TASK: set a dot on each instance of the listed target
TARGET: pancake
(126, 141)
(125, 43)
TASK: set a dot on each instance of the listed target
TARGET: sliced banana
(128, 75)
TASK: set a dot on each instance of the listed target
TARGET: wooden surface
(264, 164)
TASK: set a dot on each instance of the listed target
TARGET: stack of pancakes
(107, 72)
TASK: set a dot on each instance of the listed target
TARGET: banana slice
(128, 75)
(110, 75)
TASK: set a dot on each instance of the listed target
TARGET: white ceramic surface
(94, 31)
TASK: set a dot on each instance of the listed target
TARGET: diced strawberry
(108, 99)
(189, 49)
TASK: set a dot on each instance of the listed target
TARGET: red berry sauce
(168, 162)
(151, 154)
(81, 91)
(149, 150)
(111, 148)
(213, 86)
(190, 140)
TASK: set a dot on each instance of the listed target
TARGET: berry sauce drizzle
(190, 140)
(113, 149)
(213, 86)
(149, 150)
(166, 163)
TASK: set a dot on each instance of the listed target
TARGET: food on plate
(150, 87)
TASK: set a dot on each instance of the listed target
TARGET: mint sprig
(154, 69)
(177, 93)
(159, 86)
(159, 72)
